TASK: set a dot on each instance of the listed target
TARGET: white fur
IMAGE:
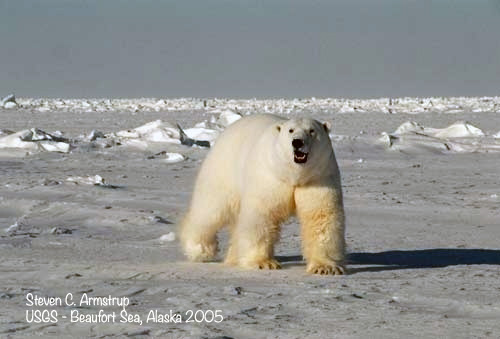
(250, 183)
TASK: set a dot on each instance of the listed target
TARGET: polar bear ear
(327, 126)
(278, 128)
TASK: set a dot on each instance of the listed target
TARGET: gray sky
(245, 49)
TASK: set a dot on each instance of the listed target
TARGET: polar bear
(263, 169)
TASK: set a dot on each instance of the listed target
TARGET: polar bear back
(227, 160)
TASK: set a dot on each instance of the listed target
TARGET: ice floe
(155, 131)
(202, 134)
(459, 137)
(227, 117)
(279, 106)
(458, 129)
(9, 102)
(163, 132)
(34, 140)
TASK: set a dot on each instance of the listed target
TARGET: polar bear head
(304, 143)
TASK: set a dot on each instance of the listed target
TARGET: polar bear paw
(269, 264)
(197, 251)
(263, 264)
(325, 268)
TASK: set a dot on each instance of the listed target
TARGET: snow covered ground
(92, 191)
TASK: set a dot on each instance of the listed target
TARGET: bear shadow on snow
(404, 259)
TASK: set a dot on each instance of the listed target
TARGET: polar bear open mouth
(299, 157)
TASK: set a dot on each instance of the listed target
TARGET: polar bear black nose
(297, 143)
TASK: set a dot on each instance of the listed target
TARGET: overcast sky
(245, 49)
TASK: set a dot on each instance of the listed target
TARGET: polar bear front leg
(321, 213)
(254, 239)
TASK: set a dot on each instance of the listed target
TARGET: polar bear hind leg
(199, 228)
(256, 236)
(257, 231)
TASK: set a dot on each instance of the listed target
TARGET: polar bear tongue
(299, 157)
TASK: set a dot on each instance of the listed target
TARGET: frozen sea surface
(101, 219)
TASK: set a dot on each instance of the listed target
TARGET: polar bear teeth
(299, 157)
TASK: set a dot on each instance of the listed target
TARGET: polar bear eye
(311, 131)
(291, 130)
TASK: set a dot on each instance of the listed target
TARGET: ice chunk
(52, 146)
(12, 228)
(459, 129)
(198, 133)
(35, 140)
(409, 127)
(459, 137)
(155, 131)
(171, 158)
(90, 180)
(9, 101)
(169, 237)
(94, 135)
(9, 105)
(227, 118)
